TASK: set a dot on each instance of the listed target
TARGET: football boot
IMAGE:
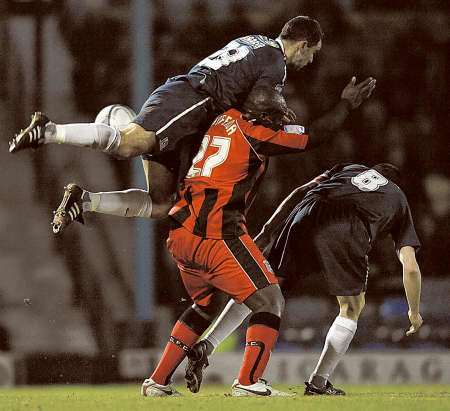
(261, 388)
(328, 389)
(70, 209)
(33, 136)
(197, 362)
(150, 388)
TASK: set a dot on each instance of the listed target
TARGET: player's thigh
(162, 182)
(183, 246)
(174, 111)
(238, 268)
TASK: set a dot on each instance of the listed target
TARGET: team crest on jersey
(269, 268)
(163, 143)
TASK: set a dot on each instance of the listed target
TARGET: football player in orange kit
(209, 239)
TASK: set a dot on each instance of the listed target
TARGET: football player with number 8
(170, 125)
(328, 227)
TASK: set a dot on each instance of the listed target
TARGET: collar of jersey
(278, 40)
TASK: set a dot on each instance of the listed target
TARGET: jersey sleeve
(403, 232)
(269, 142)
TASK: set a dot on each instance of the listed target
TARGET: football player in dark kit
(173, 120)
(328, 226)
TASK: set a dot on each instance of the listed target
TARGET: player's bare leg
(131, 141)
(162, 185)
(338, 339)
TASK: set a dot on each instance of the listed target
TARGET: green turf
(214, 398)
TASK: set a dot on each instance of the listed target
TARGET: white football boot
(152, 389)
(261, 388)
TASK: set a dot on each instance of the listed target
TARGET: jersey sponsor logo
(370, 180)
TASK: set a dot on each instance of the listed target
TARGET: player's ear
(302, 44)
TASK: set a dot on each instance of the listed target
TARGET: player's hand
(416, 321)
(289, 116)
(355, 94)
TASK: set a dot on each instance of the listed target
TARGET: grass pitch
(215, 398)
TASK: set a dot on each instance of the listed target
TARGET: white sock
(338, 339)
(128, 203)
(230, 318)
(93, 135)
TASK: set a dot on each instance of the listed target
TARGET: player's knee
(195, 320)
(351, 309)
(127, 151)
(162, 200)
(134, 141)
(214, 308)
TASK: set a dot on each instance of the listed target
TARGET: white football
(116, 115)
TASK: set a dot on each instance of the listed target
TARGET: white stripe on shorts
(177, 117)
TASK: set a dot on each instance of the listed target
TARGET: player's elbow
(318, 136)
(411, 272)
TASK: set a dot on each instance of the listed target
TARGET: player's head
(266, 106)
(389, 171)
(302, 39)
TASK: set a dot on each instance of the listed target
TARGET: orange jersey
(225, 174)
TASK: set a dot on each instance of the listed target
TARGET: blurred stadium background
(96, 304)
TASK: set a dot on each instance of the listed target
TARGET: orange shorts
(235, 266)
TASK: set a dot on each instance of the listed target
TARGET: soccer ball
(115, 115)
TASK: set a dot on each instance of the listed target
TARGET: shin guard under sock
(262, 334)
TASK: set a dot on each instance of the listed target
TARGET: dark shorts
(175, 111)
(329, 239)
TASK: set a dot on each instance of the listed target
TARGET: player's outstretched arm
(323, 129)
(270, 228)
(412, 282)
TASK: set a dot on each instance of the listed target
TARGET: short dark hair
(302, 28)
(389, 171)
(265, 105)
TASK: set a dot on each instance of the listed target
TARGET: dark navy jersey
(380, 203)
(229, 74)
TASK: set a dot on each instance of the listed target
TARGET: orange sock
(262, 334)
(181, 340)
